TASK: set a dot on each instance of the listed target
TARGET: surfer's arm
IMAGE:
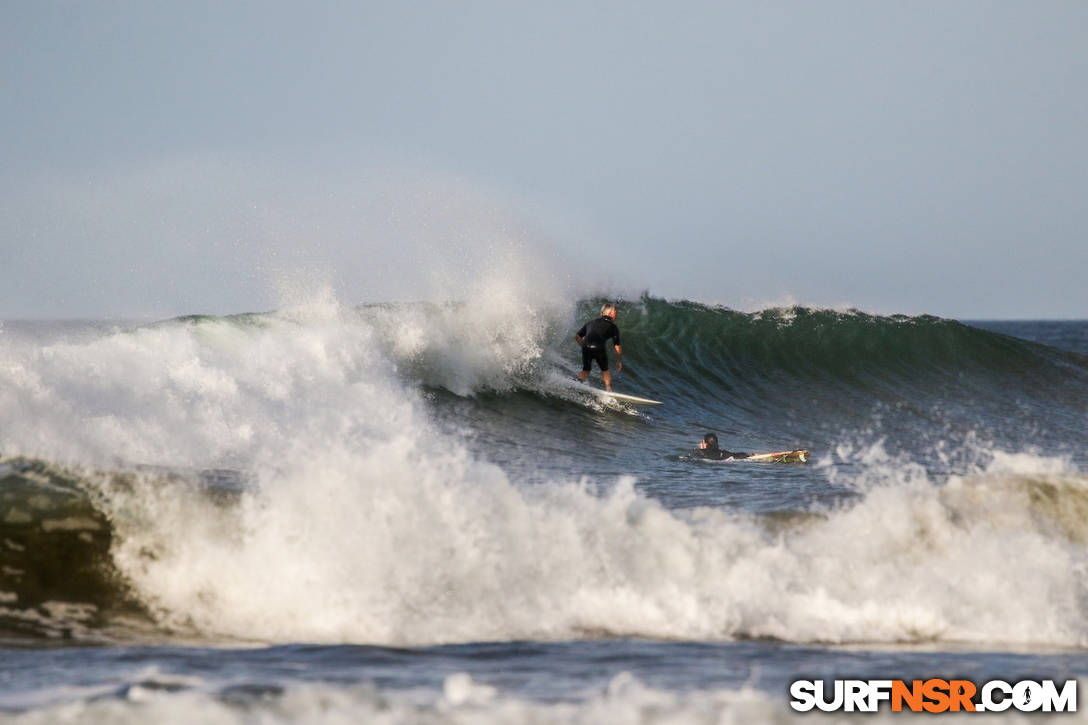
(578, 339)
(619, 359)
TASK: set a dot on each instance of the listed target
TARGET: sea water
(405, 513)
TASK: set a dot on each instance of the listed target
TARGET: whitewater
(405, 512)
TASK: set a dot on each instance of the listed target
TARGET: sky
(159, 159)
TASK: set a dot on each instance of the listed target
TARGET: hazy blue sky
(169, 158)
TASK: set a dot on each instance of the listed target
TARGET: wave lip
(58, 535)
(367, 523)
(56, 574)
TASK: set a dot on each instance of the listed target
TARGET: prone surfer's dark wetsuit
(719, 454)
(594, 334)
(710, 450)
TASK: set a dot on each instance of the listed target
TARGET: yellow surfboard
(797, 456)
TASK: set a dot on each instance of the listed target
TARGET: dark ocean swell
(423, 474)
(58, 580)
(56, 576)
(816, 372)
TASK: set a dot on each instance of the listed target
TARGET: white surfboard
(795, 456)
(604, 395)
(622, 397)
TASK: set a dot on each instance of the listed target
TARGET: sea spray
(407, 550)
(360, 518)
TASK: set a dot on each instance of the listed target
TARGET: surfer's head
(609, 311)
(710, 441)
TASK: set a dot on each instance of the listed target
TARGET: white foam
(625, 700)
(462, 700)
(392, 547)
(370, 526)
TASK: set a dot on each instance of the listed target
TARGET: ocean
(406, 513)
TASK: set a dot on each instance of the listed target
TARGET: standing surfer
(592, 338)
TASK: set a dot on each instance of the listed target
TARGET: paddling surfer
(592, 338)
(708, 448)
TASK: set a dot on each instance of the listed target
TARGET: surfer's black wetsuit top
(594, 334)
(719, 454)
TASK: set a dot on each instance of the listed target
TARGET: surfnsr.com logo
(933, 695)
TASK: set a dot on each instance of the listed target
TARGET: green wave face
(363, 463)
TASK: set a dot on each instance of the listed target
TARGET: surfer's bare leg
(582, 376)
(607, 380)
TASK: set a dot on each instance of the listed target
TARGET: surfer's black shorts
(589, 354)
